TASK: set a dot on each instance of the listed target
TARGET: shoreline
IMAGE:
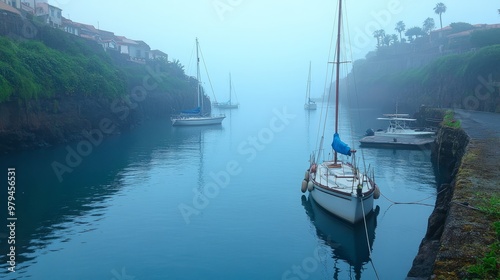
(459, 233)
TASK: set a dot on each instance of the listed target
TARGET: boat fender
(303, 188)
(310, 186)
(313, 168)
(306, 176)
(376, 192)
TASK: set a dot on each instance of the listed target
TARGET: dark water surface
(210, 203)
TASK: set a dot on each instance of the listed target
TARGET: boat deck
(340, 178)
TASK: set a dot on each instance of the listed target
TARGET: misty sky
(266, 45)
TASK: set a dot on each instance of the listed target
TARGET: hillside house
(10, 18)
(136, 50)
(71, 27)
(13, 3)
(157, 54)
(106, 39)
(52, 15)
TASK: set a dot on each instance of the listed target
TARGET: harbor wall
(447, 153)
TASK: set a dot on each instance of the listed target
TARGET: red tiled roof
(9, 8)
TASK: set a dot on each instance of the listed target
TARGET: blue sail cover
(195, 111)
(339, 146)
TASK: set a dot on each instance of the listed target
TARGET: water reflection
(347, 241)
(194, 139)
(52, 213)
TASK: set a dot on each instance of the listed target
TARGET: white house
(71, 26)
(136, 50)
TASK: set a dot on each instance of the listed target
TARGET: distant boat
(310, 104)
(398, 133)
(339, 187)
(349, 242)
(228, 104)
(197, 116)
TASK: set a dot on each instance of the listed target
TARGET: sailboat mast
(200, 99)
(230, 88)
(308, 91)
(337, 76)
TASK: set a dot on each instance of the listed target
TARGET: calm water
(117, 214)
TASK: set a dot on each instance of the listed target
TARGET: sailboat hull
(335, 190)
(226, 106)
(311, 106)
(345, 206)
(194, 121)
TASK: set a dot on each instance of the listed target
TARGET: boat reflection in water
(348, 241)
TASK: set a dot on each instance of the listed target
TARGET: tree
(379, 34)
(400, 27)
(440, 9)
(386, 40)
(429, 25)
(414, 31)
(394, 38)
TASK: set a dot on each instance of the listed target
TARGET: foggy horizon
(265, 46)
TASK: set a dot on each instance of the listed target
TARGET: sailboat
(309, 105)
(338, 186)
(197, 116)
(228, 104)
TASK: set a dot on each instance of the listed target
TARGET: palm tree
(386, 40)
(394, 38)
(439, 9)
(429, 25)
(400, 27)
(379, 34)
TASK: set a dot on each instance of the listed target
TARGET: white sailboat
(228, 104)
(339, 187)
(197, 116)
(310, 104)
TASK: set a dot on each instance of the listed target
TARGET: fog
(266, 45)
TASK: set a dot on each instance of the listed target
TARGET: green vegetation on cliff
(460, 80)
(467, 80)
(61, 64)
(31, 70)
(55, 87)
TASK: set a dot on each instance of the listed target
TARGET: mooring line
(415, 202)
(368, 238)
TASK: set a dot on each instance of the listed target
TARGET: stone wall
(449, 148)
